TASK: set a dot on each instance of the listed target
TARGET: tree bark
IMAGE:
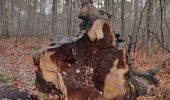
(113, 11)
(135, 16)
(19, 24)
(54, 16)
(161, 24)
(1, 16)
(149, 27)
(5, 32)
(28, 28)
(123, 18)
(34, 18)
(68, 15)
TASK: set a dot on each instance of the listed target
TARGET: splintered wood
(51, 72)
(89, 66)
(96, 32)
(86, 68)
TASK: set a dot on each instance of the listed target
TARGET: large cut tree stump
(86, 67)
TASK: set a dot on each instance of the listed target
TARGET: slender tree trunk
(34, 18)
(54, 17)
(5, 32)
(19, 24)
(113, 11)
(70, 17)
(138, 27)
(165, 17)
(28, 23)
(68, 12)
(148, 25)
(161, 27)
(134, 16)
(42, 17)
(12, 17)
(123, 18)
(1, 16)
(74, 17)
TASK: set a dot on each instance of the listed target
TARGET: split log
(87, 67)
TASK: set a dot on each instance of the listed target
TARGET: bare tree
(123, 18)
(68, 13)
(5, 32)
(44, 17)
(113, 11)
(28, 18)
(34, 17)
(1, 16)
(135, 16)
(19, 22)
(54, 17)
(161, 24)
(149, 25)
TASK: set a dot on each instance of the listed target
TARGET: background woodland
(147, 21)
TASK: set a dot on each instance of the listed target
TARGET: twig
(160, 42)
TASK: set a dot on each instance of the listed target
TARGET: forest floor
(17, 70)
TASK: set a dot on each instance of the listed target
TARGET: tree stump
(86, 67)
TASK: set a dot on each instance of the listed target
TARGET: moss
(36, 50)
(5, 76)
(133, 90)
(31, 81)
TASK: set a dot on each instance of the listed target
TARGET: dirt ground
(17, 71)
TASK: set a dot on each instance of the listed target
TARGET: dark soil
(8, 92)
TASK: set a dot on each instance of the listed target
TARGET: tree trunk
(113, 11)
(34, 18)
(135, 17)
(54, 17)
(1, 16)
(69, 14)
(5, 32)
(149, 27)
(28, 29)
(123, 18)
(161, 24)
(42, 17)
(19, 24)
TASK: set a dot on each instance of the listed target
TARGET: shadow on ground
(8, 92)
